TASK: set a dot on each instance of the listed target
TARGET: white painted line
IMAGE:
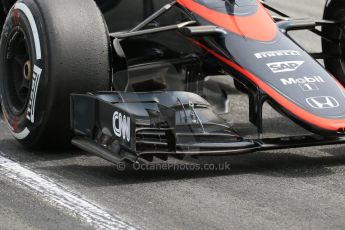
(60, 197)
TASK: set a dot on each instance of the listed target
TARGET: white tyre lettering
(30, 115)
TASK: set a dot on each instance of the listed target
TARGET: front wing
(119, 126)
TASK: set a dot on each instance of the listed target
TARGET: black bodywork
(162, 54)
(173, 120)
(151, 116)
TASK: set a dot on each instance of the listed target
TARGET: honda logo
(324, 102)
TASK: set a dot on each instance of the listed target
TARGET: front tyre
(50, 49)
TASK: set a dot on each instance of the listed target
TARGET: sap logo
(324, 102)
(30, 114)
(302, 80)
(287, 66)
(122, 126)
(277, 53)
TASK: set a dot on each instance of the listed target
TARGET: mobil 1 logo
(305, 83)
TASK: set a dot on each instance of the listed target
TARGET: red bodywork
(259, 27)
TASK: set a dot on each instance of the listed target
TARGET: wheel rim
(18, 79)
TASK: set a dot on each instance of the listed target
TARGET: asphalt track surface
(288, 189)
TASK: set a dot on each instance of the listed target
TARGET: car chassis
(132, 126)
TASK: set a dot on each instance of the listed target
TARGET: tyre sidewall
(26, 126)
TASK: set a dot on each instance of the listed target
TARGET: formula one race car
(125, 80)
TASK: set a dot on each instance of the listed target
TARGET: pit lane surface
(288, 189)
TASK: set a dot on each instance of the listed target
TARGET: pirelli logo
(30, 114)
(277, 53)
